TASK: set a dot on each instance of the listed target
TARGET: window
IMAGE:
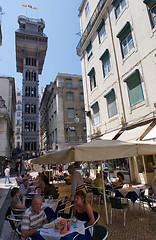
(70, 96)
(72, 134)
(80, 83)
(101, 31)
(68, 83)
(126, 40)
(27, 108)
(33, 91)
(134, 86)
(91, 74)
(105, 58)
(18, 94)
(89, 51)
(96, 114)
(18, 131)
(83, 113)
(30, 61)
(18, 122)
(70, 112)
(87, 9)
(81, 97)
(30, 146)
(19, 108)
(27, 75)
(119, 6)
(19, 102)
(111, 103)
(151, 6)
(84, 135)
(18, 114)
(33, 76)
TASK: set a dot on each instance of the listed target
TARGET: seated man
(24, 187)
(34, 218)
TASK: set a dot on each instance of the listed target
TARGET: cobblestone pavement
(139, 225)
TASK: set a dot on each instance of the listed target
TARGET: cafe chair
(96, 194)
(18, 211)
(117, 204)
(100, 232)
(14, 223)
(66, 212)
(96, 216)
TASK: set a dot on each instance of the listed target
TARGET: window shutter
(89, 48)
(134, 88)
(91, 73)
(116, 3)
(105, 56)
(150, 3)
(124, 32)
(100, 25)
(111, 102)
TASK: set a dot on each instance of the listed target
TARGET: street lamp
(76, 118)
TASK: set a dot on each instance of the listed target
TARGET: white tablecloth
(50, 234)
(126, 190)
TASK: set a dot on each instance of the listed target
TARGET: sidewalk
(5, 198)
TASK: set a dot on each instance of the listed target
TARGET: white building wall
(142, 58)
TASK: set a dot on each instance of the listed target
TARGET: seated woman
(15, 202)
(98, 182)
(82, 209)
(120, 181)
(49, 189)
(87, 178)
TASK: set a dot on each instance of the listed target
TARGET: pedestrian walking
(7, 174)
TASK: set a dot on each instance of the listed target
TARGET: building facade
(18, 119)
(31, 46)
(118, 59)
(7, 119)
(62, 115)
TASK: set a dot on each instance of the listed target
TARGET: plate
(48, 225)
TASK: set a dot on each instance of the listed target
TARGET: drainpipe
(87, 92)
(123, 120)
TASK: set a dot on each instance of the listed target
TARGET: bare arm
(90, 214)
(21, 206)
(28, 233)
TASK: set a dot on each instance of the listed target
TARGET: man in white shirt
(7, 174)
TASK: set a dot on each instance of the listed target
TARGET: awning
(151, 136)
(110, 135)
(135, 134)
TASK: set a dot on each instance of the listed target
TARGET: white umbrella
(98, 150)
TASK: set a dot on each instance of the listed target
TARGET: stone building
(18, 119)
(7, 119)
(118, 59)
(31, 46)
(62, 115)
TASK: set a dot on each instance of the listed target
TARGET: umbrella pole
(104, 196)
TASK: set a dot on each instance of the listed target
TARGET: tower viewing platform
(30, 41)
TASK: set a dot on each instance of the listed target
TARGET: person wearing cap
(76, 181)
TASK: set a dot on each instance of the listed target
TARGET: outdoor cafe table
(128, 192)
(50, 234)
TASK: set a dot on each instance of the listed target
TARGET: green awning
(150, 3)
(134, 75)
(100, 25)
(124, 31)
(105, 56)
(91, 73)
(116, 3)
(112, 90)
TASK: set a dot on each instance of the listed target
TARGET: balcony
(90, 24)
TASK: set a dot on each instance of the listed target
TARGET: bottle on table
(74, 221)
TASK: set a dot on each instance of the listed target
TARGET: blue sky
(62, 24)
